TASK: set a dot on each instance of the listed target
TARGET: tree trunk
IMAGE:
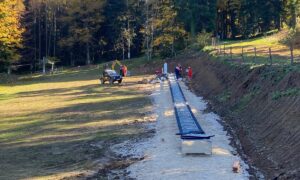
(35, 44)
(52, 67)
(293, 16)
(193, 28)
(147, 31)
(44, 65)
(9, 70)
(46, 31)
(123, 51)
(88, 60)
(40, 37)
(72, 63)
(54, 35)
(128, 40)
(152, 40)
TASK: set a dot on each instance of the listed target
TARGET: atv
(110, 76)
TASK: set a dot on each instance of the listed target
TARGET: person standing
(122, 71)
(180, 71)
(177, 72)
(190, 73)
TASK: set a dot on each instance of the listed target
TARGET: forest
(82, 32)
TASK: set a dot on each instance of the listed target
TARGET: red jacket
(190, 73)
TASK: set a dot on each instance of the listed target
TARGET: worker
(121, 70)
(125, 70)
(190, 73)
(180, 71)
(177, 71)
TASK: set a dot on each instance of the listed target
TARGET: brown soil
(267, 126)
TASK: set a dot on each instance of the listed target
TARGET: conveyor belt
(187, 123)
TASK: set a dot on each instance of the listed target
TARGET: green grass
(289, 92)
(245, 100)
(225, 96)
(280, 51)
(48, 123)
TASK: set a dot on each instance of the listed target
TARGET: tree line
(78, 32)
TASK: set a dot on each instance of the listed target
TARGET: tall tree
(83, 20)
(10, 31)
(167, 29)
(197, 15)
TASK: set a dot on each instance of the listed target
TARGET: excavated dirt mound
(261, 105)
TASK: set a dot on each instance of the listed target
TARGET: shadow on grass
(68, 76)
(51, 158)
(61, 91)
(77, 114)
(62, 141)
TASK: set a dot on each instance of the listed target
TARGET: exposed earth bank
(261, 105)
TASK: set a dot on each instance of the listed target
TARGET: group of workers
(123, 69)
(179, 74)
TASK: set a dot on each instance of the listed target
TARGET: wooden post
(243, 53)
(292, 54)
(231, 53)
(254, 54)
(270, 54)
(224, 50)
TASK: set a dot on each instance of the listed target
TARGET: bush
(293, 37)
(289, 92)
(203, 39)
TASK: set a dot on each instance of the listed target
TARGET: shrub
(203, 39)
(289, 92)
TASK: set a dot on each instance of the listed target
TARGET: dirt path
(163, 158)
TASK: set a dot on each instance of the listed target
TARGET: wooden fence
(222, 50)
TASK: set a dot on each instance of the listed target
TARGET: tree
(292, 8)
(167, 29)
(83, 20)
(197, 15)
(10, 31)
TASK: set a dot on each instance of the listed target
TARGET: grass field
(281, 54)
(58, 126)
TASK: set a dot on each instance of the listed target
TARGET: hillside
(260, 106)
(256, 51)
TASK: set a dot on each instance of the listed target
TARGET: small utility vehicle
(110, 76)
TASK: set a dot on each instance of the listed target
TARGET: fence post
(270, 54)
(243, 53)
(254, 54)
(292, 54)
(231, 53)
(224, 50)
